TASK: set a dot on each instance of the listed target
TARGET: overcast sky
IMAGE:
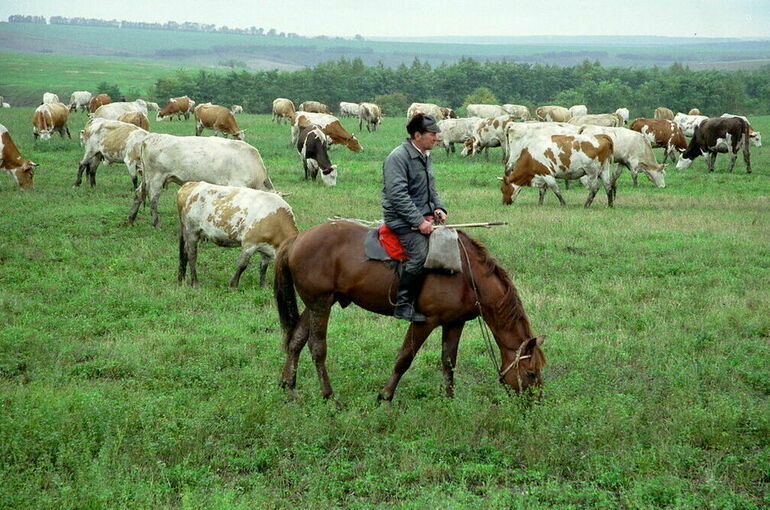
(400, 18)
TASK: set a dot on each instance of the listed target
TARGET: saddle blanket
(381, 243)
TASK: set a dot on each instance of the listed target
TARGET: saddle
(381, 243)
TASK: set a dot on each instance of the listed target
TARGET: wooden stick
(468, 225)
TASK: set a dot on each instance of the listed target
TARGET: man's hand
(425, 227)
(440, 215)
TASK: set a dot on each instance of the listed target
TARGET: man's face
(426, 140)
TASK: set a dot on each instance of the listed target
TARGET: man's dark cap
(421, 123)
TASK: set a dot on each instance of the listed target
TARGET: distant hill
(283, 53)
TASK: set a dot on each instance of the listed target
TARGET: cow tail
(283, 289)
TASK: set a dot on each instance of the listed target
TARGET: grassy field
(120, 388)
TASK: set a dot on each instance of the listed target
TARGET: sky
(417, 18)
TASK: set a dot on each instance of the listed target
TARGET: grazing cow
(448, 113)
(180, 159)
(631, 150)
(485, 110)
(719, 134)
(314, 107)
(6, 105)
(331, 127)
(230, 216)
(349, 109)
(623, 114)
(371, 114)
(552, 114)
(218, 118)
(516, 136)
(50, 117)
(179, 106)
(663, 113)
(578, 109)
(599, 119)
(546, 157)
(488, 133)
(97, 101)
(114, 110)
(426, 108)
(50, 97)
(236, 108)
(693, 111)
(662, 133)
(137, 119)
(111, 141)
(755, 137)
(688, 123)
(456, 131)
(14, 164)
(518, 111)
(153, 106)
(283, 109)
(80, 100)
(312, 147)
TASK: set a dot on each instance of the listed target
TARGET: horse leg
(293, 349)
(415, 337)
(317, 345)
(450, 338)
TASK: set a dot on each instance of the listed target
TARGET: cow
(111, 141)
(314, 107)
(516, 136)
(631, 150)
(114, 110)
(578, 109)
(521, 112)
(236, 108)
(426, 108)
(661, 133)
(719, 134)
(283, 109)
(331, 127)
(50, 117)
(312, 147)
(21, 170)
(349, 109)
(137, 119)
(688, 123)
(546, 157)
(755, 137)
(179, 106)
(456, 131)
(552, 114)
(371, 114)
(488, 133)
(230, 216)
(623, 114)
(97, 101)
(217, 118)
(485, 110)
(6, 105)
(50, 97)
(180, 159)
(599, 119)
(79, 100)
(694, 111)
(153, 106)
(663, 113)
(448, 113)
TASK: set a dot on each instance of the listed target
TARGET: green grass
(121, 389)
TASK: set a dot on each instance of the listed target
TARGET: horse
(326, 264)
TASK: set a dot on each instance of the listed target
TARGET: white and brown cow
(330, 125)
(426, 108)
(551, 113)
(663, 113)
(79, 100)
(521, 112)
(349, 109)
(236, 109)
(283, 109)
(662, 133)
(217, 118)
(229, 216)
(548, 157)
(97, 101)
(112, 111)
(138, 119)
(180, 106)
(456, 131)
(719, 134)
(50, 97)
(370, 114)
(313, 149)
(314, 107)
(688, 123)
(485, 110)
(21, 170)
(111, 141)
(623, 114)
(755, 137)
(50, 117)
(448, 113)
(598, 119)
(151, 106)
(488, 133)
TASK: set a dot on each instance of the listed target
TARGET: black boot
(408, 289)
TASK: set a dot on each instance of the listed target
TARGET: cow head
(657, 174)
(468, 146)
(24, 175)
(329, 176)
(508, 189)
(683, 163)
(755, 137)
(353, 144)
(241, 135)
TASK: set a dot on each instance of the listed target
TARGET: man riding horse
(410, 203)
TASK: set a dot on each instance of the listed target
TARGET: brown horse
(327, 264)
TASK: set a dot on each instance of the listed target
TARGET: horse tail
(283, 289)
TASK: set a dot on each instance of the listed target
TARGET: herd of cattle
(230, 198)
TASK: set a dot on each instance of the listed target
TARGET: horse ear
(529, 347)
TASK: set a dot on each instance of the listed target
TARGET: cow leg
(91, 169)
(593, 187)
(710, 158)
(81, 168)
(243, 263)
(450, 338)
(182, 256)
(141, 192)
(666, 154)
(415, 337)
(550, 182)
(293, 349)
(267, 255)
(191, 252)
(608, 181)
(733, 159)
(747, 156)
(198, 128)
(154, 196)
(542, 194)
(68, 132)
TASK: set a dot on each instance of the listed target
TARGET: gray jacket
(409, 188)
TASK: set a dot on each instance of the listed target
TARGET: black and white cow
(718, 134)
(312, 145)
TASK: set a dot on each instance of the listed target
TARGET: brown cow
(50, 117)
(662, 133)
(314, 106)
(179, 106)
(330, 125)
(137, 119)
(693, 111)
(217, 118)
(11, 161)
(664, 113)
(283, 109)
(97, 101)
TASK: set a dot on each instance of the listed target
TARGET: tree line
(602, 89)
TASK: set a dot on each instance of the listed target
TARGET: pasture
(122, 389)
